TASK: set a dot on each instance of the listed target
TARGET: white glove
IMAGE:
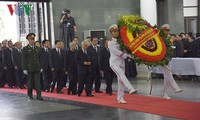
(130, 56)
(41, 70)
(25, 72)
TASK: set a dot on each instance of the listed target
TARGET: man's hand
(101, 73)
(185, 51)
(89, 63)
(5, 68)
(16, 67)
(85, 63)
(25, 72)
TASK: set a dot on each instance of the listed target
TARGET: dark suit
(4, 79)
(57, 63)
(130, 67)
(105, 67)
(95, 67)
(71, 68)
(178, 50)
(84, 72)
(64, 76)
(8, 62)
(78, 47)
(1, 70)
(18, 71)
(45, 65)
(31, 63)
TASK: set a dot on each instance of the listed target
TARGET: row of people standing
(55, 64)
(10, 65)
(186, 45)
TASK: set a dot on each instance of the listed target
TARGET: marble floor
(16, 107)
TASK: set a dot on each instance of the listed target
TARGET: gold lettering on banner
(141, 38)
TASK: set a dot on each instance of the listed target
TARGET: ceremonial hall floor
(15, 106)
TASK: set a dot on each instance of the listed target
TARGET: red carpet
(171, 108)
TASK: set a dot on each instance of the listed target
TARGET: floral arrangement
(146, 43)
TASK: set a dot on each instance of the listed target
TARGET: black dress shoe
(90, 95)
(78, 95)
(39, 98)
(68, 92)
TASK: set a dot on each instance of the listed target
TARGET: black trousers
(2, 80)
(34, 77)
(108, 76)
(20, 77)
(73, 79)
(96, 78)
(47, 78)
(84, 76)
(57, 78)
(10, 75)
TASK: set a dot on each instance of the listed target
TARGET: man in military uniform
(31, 66)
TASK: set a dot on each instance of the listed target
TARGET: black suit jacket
(70, 62)
(57, 61)
(17, 55)
(45, 59)
(104, 60)
(94, 56)
(81, 58)
(78, 47)
(7, 58)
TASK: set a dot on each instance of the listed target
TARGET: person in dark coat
(57, 66)
(1, 68)
(68, 27)
(8, 65)
(94, 50)
(177, 46)
(17, 55)
(4, 46)
(31, 66)
(83, 59)
(45, 65)
(192, 50)
(105, 69)
(71, 69)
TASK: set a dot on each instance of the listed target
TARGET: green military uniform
(31, 63)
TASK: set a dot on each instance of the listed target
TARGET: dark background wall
(93, 14)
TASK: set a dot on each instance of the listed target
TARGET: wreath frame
(137, 24)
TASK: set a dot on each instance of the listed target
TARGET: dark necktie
(95, 47)
(59, 52)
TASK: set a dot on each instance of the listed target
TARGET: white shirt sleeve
(113, 49)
